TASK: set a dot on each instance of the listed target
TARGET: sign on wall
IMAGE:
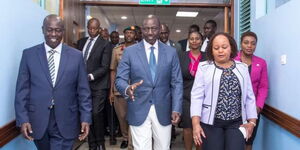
(155, 2)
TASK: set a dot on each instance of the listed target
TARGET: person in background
(209, 29)
(96, 55)
(258, 72)
(149, 76)
(52, 101)
(116, 99)
(222, 98)
(104, 34)
(114, 38)
(164, 37)
(189, 61)
(139, 35)
(184, 43)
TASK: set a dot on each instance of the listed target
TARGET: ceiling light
(186, 14)
(121, 36)
(124, 17)
(178, 30)
(89, 17)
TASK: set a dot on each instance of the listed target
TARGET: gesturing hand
(26, 130)
(131, 88)
(85, 128)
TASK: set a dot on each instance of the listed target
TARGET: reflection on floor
(177, 145)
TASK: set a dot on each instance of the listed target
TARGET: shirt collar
(95, 38)
(57, 48)
(148, 45)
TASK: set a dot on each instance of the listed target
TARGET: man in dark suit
(184, 43)
(164, 37)
(52, 100)
(97, 56)
(149, 76)
(209, 29)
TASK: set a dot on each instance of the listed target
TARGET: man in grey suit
(149, 76)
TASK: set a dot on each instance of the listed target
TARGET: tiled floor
(177, 145)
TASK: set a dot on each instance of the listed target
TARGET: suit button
(150, 101)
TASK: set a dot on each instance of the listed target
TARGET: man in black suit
(97, 55)
(183, 43)
(209, 29)
(164, 37)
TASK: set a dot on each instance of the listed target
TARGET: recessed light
(121, 36)
(89, 17)
(178, 30)
(186, 14)
(124, 17)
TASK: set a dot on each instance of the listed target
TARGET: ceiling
(135, 15)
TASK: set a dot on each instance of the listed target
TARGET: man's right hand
(131, 88)
(26, 131)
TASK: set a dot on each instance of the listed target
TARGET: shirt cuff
(126, 90)
(92, 77)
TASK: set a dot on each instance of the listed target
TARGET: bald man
(52, 102)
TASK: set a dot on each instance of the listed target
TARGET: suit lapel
(44, 62)
(143, 58)
(62, 63)
(95, 46)
(161, 56)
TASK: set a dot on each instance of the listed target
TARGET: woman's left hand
(249, 129)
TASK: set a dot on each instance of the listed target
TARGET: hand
(85, 128)
(258, 110)
(249, 129)
(131, 88)
(197, 133)
(175, 118)
(111, 97)
(26, 130)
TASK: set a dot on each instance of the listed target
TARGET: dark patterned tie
(85, 55)
(152, 63)
(51, 65)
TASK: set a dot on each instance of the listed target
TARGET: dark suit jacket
(188, 79)
(165, 92)
(98, 62)
(183, 44)
(34, 92)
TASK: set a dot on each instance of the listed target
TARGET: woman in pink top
(258, 73)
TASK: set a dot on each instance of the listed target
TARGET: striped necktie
(52, 65)
(85, 55)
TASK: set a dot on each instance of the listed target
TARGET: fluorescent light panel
(186, 14)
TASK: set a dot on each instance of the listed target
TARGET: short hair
(201, 36)
(114, 32)
(232, 43)
(212, 22)
(248, 33)
(195, 27)
(93, 19)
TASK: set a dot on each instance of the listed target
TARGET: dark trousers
(53, 140)
(223, 135)
(96, 135)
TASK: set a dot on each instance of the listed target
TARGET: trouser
(151, 129)
(96, 134)
(223, 135)
(120, 105)
(52, 139)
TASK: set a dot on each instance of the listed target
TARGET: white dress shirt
(56, 57)
(91, 47)
(187, 45)
(148, 50)
(204, 45)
